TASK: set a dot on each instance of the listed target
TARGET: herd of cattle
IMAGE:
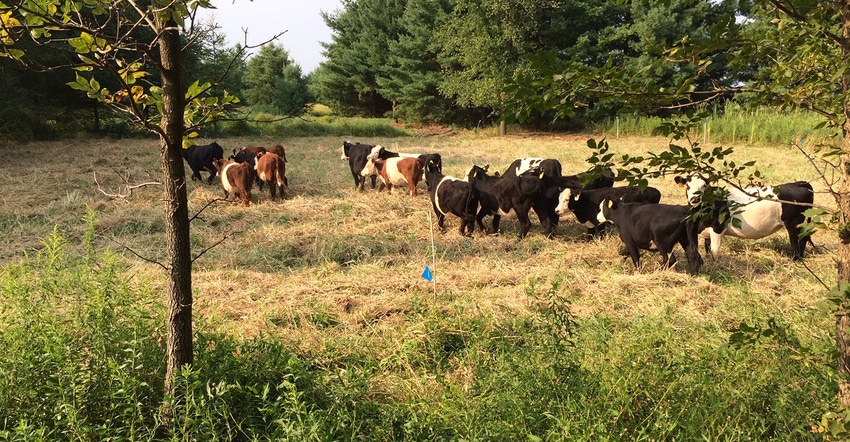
(537, 184)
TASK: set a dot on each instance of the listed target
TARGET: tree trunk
(842, 323)
(503, 128)
(179, 321)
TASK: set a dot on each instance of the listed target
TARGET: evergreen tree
(362, 31)
(413, 73)
(274, 81)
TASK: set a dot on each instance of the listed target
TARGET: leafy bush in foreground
(84, 360)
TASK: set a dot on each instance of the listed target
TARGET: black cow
(548, 171)
(356, 154)
(203, 158)
(505, 196)
(247, 155)
(651, 227)
(587, 180)
(451, 195)
(584, 204)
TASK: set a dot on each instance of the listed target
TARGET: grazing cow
(505, 196)
(271, 168)
(356, 154)
(756, 212)
(380, 152)
(203, 158)
(584, 204)
(400, 171)
(451, 195)
(653, 226)
(236, 178)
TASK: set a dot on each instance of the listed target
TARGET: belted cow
(756, 212)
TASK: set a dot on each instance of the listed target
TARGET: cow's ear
(680, 181)
(610, 204)
(541, 175)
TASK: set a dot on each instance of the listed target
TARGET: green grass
(736, 125)
(312, 323)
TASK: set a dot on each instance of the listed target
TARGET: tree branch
(128, 188)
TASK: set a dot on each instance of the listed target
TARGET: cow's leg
(798, 245)
(496, 219)
(524, 223)
(480, 219)
(715, 239)
(358, 181)
(273, 189)
(692, 254)
(633, 252)
(668, 259)
(212, 176)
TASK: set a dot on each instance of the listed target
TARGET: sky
(301, 20)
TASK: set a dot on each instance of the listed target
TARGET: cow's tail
(472, 197)
(280, 173)
(692, 230)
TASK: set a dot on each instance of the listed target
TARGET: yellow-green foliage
(737, 125)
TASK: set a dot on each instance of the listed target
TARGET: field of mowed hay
(541, 335)
(354, 259)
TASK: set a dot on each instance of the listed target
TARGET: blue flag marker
(427, 274)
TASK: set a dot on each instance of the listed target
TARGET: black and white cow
(356, 154)
(508, 196)
(550, 167)
(203, 158)
(452, 195)
(757, 212)
(653, 227)
(584, 204)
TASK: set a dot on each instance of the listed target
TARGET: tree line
(443, 61)
(449, 61)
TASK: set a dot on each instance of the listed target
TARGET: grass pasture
(535, 339)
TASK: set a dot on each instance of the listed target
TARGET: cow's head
(564, 199)
(375, 152)
(694, 186)
(221, 163)
(605, 208)
(476, 172)
(346, 148)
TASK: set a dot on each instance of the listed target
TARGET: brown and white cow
(400, 171)
(271, 168)
(279, 150)
(236, 178)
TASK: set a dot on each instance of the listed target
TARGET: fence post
(617, 119)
